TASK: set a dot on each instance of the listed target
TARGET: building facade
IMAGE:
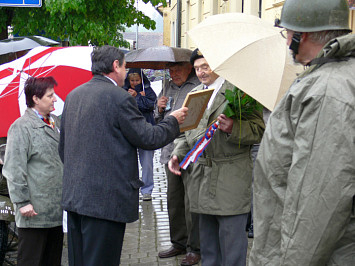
(182, 15)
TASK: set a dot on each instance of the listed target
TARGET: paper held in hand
(196, 102)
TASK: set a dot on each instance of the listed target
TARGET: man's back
(101, 129)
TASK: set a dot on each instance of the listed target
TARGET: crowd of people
(86, 161)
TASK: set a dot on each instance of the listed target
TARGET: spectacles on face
(284, 33)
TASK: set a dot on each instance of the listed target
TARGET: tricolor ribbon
(199, 147)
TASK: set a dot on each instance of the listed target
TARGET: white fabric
(216, 85)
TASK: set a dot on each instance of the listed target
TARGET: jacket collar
(336, 50)
(39, 123)
(219, 99)
(102, 78)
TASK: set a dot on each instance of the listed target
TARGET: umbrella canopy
(248, 52)
(70, 67)
(17, 44)
(156, 57)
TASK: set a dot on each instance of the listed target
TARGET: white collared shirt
(114, 82)
(216, 85)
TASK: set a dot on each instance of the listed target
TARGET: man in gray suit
(100, 132)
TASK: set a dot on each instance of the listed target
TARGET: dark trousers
(223, 240)
(93, 242)
(184, 225)
(40, 246)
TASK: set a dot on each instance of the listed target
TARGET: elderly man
(183, 225)
(220, 185)
(101, 130)
(304, 180)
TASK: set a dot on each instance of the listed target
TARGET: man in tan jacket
(220, 181)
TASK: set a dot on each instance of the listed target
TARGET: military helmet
(315, 15)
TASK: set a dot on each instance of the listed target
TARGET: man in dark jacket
(100, 132)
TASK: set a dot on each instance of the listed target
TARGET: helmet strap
(296, 39)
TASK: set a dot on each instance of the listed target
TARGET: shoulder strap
(324, 60)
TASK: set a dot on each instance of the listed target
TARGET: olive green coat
(220, 181)
(34, 170)
(304, 179)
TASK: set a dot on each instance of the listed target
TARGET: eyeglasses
(284, 33)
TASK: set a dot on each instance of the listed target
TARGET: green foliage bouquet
(239, 104)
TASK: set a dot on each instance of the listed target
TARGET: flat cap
(196, 54)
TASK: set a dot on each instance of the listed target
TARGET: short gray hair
(103, 57)
(322, 37)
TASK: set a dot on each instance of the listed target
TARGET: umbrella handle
(165, 83)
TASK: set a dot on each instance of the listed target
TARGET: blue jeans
(146, 161)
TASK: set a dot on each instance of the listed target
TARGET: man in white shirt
(219, 185)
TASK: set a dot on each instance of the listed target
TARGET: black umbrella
(17, 44)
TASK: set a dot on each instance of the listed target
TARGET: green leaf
(240, 105)
(228, 111)
(229, 95)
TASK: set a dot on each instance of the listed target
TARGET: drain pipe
(178, 23)
(260, 6)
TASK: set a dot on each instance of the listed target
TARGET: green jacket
(34, 170)
(220, 181)
(304, 179)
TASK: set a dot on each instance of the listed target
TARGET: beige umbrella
(248, 52)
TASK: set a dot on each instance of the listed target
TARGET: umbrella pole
(142, 80)
(165, 82)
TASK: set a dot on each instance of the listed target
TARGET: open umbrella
(248, 52)
(70, 66)
(17, 44)
(156, 57)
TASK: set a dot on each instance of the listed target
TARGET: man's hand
(132, 92)
(28, 211)
(225, 123)
(174, 166)
(180, 114)
(162, 103)
(142, 93)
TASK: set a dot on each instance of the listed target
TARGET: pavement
(148, 235)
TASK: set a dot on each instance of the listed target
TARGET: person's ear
(35, 99)
(304, 36)
(115, 65)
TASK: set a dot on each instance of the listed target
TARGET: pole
(137, 31)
